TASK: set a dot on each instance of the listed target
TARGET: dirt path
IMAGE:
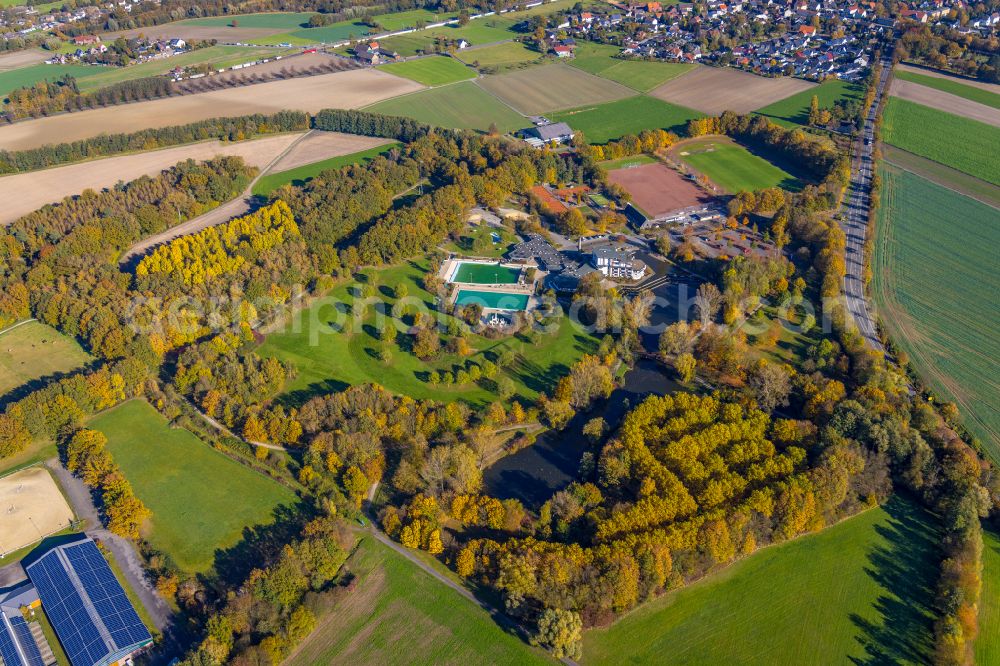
(943, 101)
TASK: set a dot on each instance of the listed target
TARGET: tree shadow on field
(297, 398)
(260, 545)
(905, 568)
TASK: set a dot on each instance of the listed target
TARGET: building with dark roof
(18, 644)
(87, 606)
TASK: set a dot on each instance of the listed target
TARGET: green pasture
(431, 71)
(944, 138)
(335, 32)
(410, 19)
(499, 55)
(935, 284)
(733, 167)
(34, 351)
(334, 344)
(858, 592)
(32, 74)
(601, 123)
(300, 175)
(953, 87)
(794, 110)
(936, 172)
(201, 501)
(460, 106)
(988, 641)
(639, 75)
(630, 161)
(276, 20)
(406, 616)
(478, 32)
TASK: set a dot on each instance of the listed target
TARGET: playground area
(31, 508)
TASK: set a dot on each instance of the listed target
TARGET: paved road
(855, 222)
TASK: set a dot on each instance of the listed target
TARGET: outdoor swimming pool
(473, 273)
(492, 299)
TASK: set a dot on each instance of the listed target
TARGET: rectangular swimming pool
(485, 274)
(492, 299)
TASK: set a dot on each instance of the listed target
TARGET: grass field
(300, 175)
(462, 105)
(944, 138)
(409, 19)
(936, 172)
(478, 241)
(332, 350)
(733, 167)
(432, 71)
(35, 350)
(858, 592)
(480, 31)
(627, 162)
(953, 87)
(636, 74)
(604, 122)
(499, 55)
(335, 32)
(400, 614)
(29, 76)
(553, 87)
(200, 500)
(935, 283)
(276, 20)
(988, 641)
(794, 110)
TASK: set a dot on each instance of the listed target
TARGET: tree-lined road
(855, 220)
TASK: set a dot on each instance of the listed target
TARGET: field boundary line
(888, 160)
(20, 323)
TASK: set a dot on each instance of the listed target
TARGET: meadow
(499, 55)
(951, 86)
(552, 87)
(300, 175)
(460, 106)
(943, 137)
(410, 19)
(639, 75)
(400, 614)
(733, 167)
(331, 349)
(276, 20)
(335, 32)
(201, 501)
(935, 284)
(988, 642)
(431, 71)
(794, 110)
(480, 31)
(604, 122)
(29, 76)
(857, 592)
(35, 350)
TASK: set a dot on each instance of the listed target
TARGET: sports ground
(656, 189)
(476, 273)
(31, 508)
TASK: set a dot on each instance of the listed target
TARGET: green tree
(560, 632)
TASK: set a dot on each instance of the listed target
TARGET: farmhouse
(372, 54)
(548, 133)
(617, 263)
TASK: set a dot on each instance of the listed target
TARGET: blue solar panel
(28, 645)
(7, 649)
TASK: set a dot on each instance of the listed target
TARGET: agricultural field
(279, 21)
(552, 87)
(201, 501)
(953, 86)
(432, 71)
(18, 59)
(713, 90)
(331, 349)
(499, 56)
(945, 101)
(460, 106)
(481, 31)
(302, 174)
(657, 189)
(398, 613)
(410, 19)
(794, 110)
(988, 641)
(29, 76)
(732, 167)
(33, 351)
(952, 179)
(935, 283)
(349, 89)
(605, 122)
(857, 592)
(639, 75)
(328, 34)
(943, 137)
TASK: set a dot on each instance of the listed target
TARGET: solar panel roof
(95, 621)
(17, 645)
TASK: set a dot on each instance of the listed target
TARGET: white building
(617, 263)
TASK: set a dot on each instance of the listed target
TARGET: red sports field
(658, 190)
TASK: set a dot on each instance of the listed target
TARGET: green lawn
(499, 55)
(604, 122)
(794, 110)
(300, 175)
(935, 283)
(335, 32)
(639, 75)
(409, 19)
(630, 161)
(332, 349)
(200, 500)
(29, 76)
(858, 592)
(477, 241)
(35, 350)
(276, 20)
(400, 614)
(432, 71)
(460, 106)
(733, 167)
(944, 138)
(988, 641)
(952, 86)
